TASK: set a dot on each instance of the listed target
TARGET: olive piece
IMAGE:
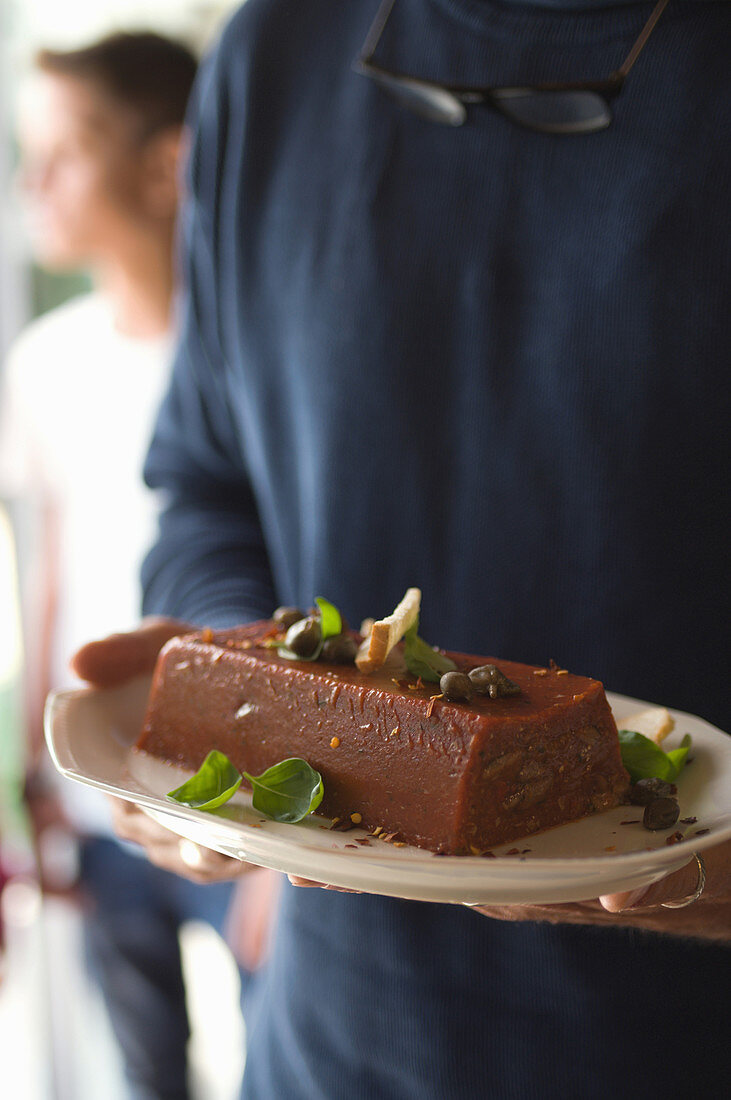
(644, 791)
(340, 649)
(661, 813)
(287, 616)
(456, 687)
(489, 680)
(304, 637)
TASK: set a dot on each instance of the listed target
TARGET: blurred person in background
(100, 134)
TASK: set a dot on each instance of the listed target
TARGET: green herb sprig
(331, 621)
(214, 783)
(288, 791)
(643, 759)
(422, 660)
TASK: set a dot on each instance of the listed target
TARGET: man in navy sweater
(488, 360)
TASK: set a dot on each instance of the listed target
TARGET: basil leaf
(643, 759)
(288, 791)
(676, 757)
(330, 621)
(422, 660)
(214, 783)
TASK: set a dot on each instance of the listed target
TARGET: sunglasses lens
(567, 112)
(426, 100)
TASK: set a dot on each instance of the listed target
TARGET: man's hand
(709, 917)
(113, 661)
(169, 851)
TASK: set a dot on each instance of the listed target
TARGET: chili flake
(674, 838)
(432, 700)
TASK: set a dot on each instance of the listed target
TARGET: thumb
(680, 884)
(112, 661)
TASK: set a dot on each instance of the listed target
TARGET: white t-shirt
(78, 409)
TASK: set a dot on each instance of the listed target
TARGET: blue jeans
(131, 934)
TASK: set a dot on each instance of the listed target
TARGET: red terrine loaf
(451, 777)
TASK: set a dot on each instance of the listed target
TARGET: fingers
(296, 880)
(580, 912)
(167, 850)
(112, 661)
(705, 894)
(194, 862)
(715, 881)
(681, 884)
(130, 823)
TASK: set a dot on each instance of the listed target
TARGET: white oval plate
(90, 733)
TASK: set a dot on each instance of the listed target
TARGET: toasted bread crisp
(655, 723)
(366, 627)
(385, 633)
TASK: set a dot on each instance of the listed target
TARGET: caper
(482, 677)
(287, 616)
(304, 637)
(456, 687)
(489, 680)
(340, 649)
(661, 813)
(644, 791)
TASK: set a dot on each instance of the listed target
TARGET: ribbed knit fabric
(492, 363)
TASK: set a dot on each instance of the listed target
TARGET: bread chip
(385, 633)
(655, 723)
(366, 627)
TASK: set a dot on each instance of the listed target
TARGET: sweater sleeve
(209, 564)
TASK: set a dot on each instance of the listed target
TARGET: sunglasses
(577, 107)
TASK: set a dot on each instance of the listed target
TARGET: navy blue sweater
(491, 363)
